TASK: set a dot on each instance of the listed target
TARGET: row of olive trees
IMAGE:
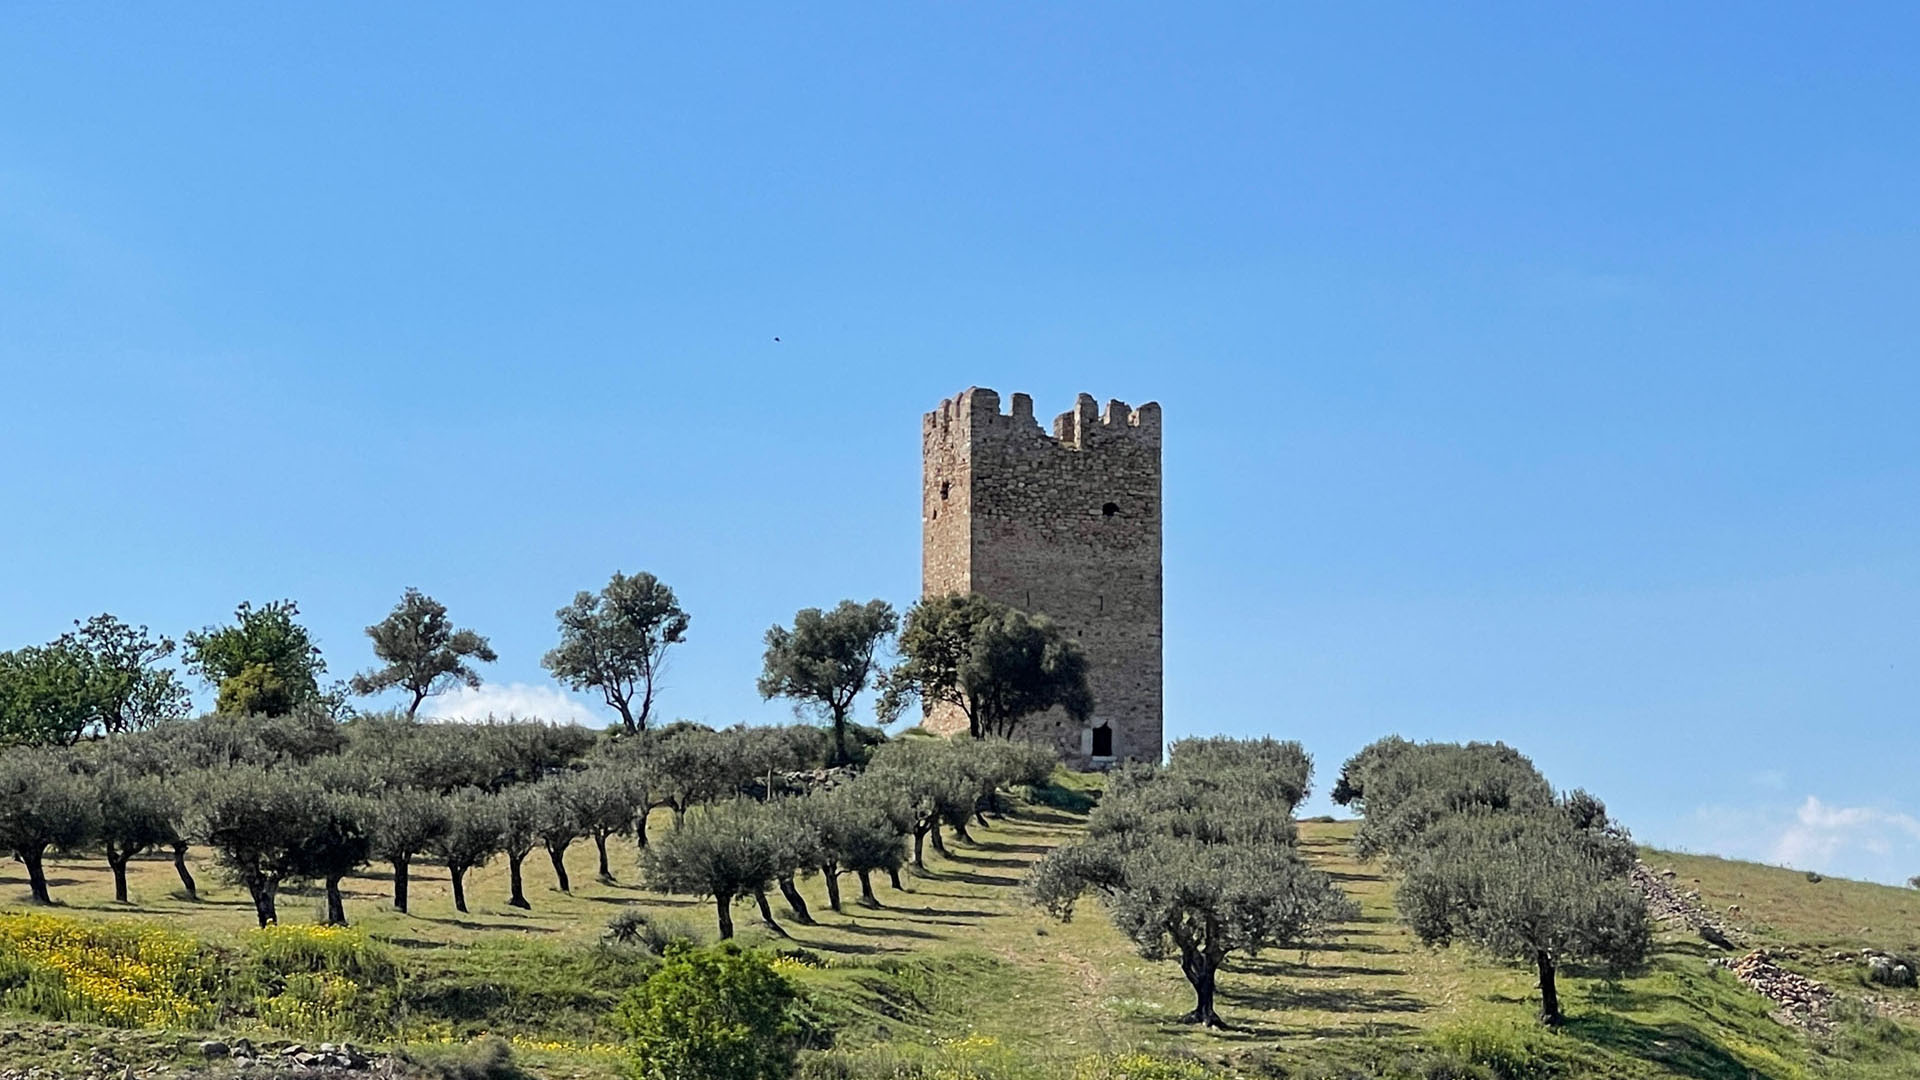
(302, 798)
(911, 788)
(1490, 855)
(1198, 859)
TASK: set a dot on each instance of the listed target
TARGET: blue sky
(1536, 373)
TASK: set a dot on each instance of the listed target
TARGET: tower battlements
(1063, 523)
(1083, 426)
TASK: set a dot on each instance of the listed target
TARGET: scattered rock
(1887, 971)
(214, 1048)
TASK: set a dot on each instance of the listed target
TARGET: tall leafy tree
(421, 652)
(997, 665)
(826, 659)
(264, 662)
(616, 641)
(46, 695)
(45, 804)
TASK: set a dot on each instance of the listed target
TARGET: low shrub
(654, 933)
(719, 1013)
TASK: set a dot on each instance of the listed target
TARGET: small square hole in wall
(1110, 509)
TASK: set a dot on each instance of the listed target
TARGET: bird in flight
(776, 340)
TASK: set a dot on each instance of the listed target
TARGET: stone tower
(1066, 524)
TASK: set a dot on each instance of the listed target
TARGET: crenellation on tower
(1067, 525)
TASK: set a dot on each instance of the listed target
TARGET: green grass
(958, 977)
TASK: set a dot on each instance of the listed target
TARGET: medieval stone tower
(1066, 524)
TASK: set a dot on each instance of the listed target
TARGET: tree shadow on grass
(1683, 1048)
(1319, 999)
(1285, 969)
(970, 878)
(470, 924)
(1047, 817)
(885, 931)
(1004, 864)
(1023, 849)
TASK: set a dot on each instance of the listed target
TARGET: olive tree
(560, 820)
(44, 805)
(474, 824)
(997, 665)
(520, 812)
(1195, 864)
(403, 823)
(930, 779)
(260, 826)
(858, 836)
(338, 841)
(137, 814)
(421, 653)
(616, 641)
(724, 852)
(694, 765)
(1195, 902)
(1531, 886)
(826, 659)
(607, 799)
(1403, 789)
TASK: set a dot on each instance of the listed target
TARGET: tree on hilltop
(422, 652)
(99, 677)
(997, 665)
(1195, 902)
(264, 662)
(616, 641)
(1195, 862)
(826, 660)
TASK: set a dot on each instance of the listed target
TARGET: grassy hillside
(957, 976)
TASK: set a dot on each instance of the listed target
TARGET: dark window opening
(943, 490)
(1103, 741)
(1110, 509)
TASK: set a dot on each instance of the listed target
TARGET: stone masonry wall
(1067, 524)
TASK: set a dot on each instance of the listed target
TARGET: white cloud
(1864, 842)
(518, 700)
(1824, 836)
